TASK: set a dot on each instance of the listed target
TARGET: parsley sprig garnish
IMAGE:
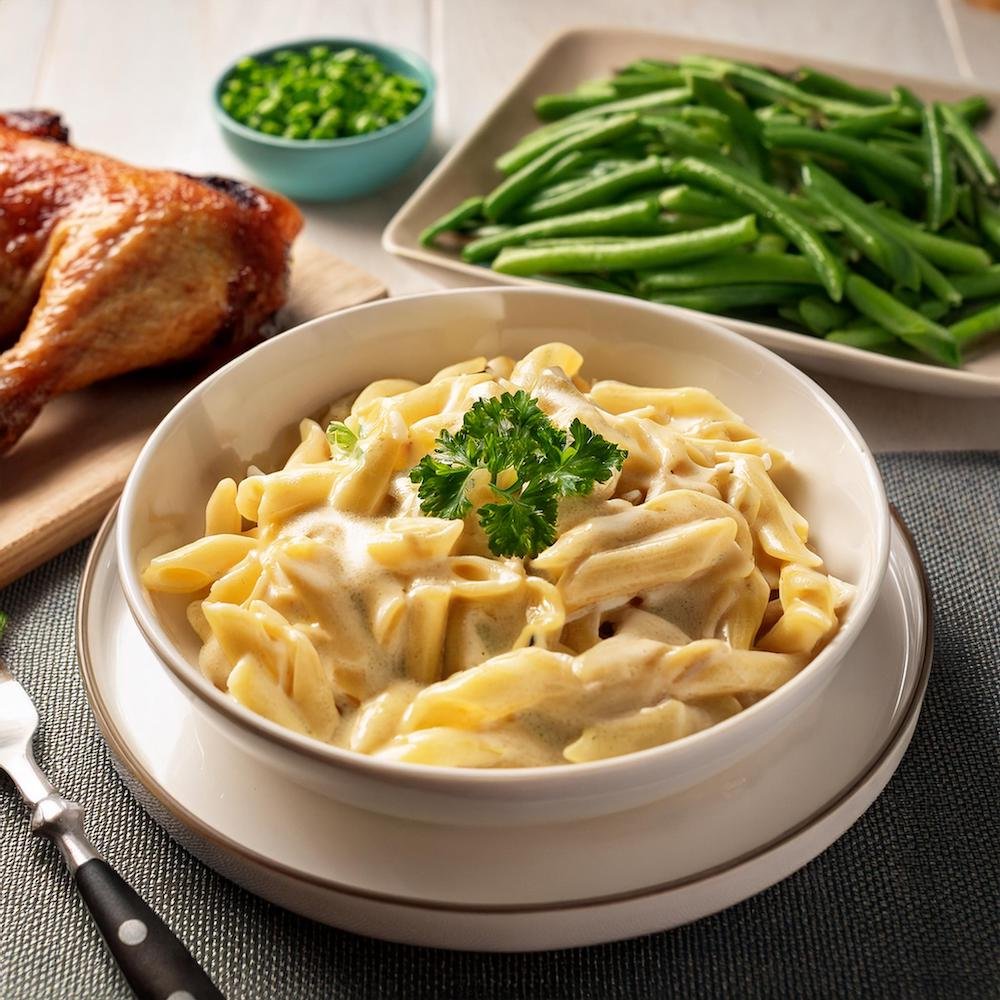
(531, 464)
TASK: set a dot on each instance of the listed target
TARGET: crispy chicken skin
(107, 268)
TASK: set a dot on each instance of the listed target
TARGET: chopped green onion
(316, 93)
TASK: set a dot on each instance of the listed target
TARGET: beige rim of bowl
(128, 760)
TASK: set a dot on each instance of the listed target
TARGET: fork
(155, 963)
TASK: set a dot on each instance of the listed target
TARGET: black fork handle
(155, 963)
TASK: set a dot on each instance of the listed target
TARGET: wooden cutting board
(62, 477)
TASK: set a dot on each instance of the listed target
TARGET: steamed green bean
(941, 197)
(595, 221)
(978, 325)
(910, 326)
(519, 185)
(742, 187)
(596, 190)
(742, 269)
(630, 255)
(729, 298)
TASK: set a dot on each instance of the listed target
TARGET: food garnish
(318, 93)
(531, 464)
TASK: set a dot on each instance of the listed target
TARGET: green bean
(550, 107)
(458, 217)
(635, 254)
(875, 121)
(941, 199)
(910, 150)
(952, 255)
(771, 243)
(778, 114)
(742, 269)
(821, 315)
(647, 65)
(644, 102)
(989, 219)
(979, 285)
(592, 281)
(934, 308)
(810, 211)
(768, 86)
(561, 187)
(682, 222)
(938, 284)
(606, 162)
(742, 187)
(745, 125)
(535, 143)
(606, 220)
(901, 136)
(631, 84)
(596, 190)
(789, 311)
(869, 338)
(979, 324)
(572, 241)
(922, 334)
(844, 148)
(959, 231)
(879, 187)
(566, 170)
(693, 114)
(649, 191)
(972, 146)
(685, 199)
(966, 203)
(726, 298)
(679, 138)
(862, 226)
(906, 97)
(972, 109)
(519, 186)
(816, 82)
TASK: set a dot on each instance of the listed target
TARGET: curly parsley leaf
(586, 460)
(524, 524)
(444, 477)
(531, 464)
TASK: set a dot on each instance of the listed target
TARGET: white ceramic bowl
(248, 412)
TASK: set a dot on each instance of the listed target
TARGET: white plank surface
(24, 31)
(975, 37)
(133, 79)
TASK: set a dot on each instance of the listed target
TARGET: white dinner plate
(585, 53)
(510, 889)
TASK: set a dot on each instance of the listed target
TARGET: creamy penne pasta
(675, 588)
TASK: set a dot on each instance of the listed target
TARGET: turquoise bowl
(334, 169)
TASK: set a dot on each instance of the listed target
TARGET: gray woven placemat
(905, 904)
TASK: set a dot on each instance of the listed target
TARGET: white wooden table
(132, 79)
